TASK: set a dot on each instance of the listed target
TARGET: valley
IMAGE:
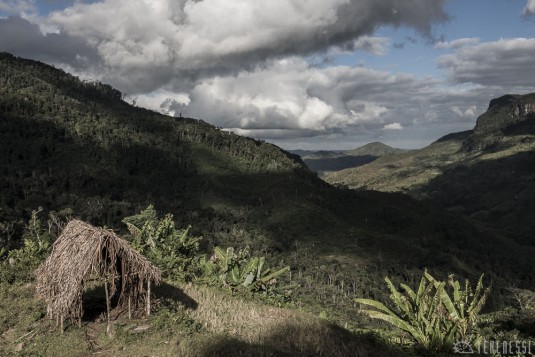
(76, 149)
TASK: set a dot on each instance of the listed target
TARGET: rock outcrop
(503, 117)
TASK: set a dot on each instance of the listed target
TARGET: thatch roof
(83, 253)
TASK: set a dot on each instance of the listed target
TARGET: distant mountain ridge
(375, 149)
(486, 173)
(325, 161)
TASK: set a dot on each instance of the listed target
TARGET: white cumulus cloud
(18, 7)
(458, 43)
(242, 64)
(143, 45)
(393, 126)
(469, 112)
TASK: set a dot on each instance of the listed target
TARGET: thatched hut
(84, 253)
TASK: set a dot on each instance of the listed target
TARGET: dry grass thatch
(85, 253)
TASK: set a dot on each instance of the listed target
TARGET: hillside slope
(374, 149)
(403, 172)
(323, 162)
(67, 144)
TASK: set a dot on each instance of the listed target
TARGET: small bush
(18, 264)
(239, 270)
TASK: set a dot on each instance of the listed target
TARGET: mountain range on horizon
(324, 161)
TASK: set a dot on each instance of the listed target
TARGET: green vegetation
(218, 325)
(175, 252)
(19, 264)
(404, 171)
(189, 320)
(431, 316)
(171, 249)
(74, 149)
(237, 269)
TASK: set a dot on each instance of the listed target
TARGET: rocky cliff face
(503, 117)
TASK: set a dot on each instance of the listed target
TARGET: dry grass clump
(246, 328)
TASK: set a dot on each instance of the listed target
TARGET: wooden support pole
(129, 307)
(80, 312)
(61, 322)
(148, 297)
(107, 306)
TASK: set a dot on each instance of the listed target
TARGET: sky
(302, 74)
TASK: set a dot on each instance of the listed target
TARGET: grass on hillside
(405, 171)
(192, 321)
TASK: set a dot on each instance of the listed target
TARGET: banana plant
(173, 250)
(236, 269)
(429, 315)
(465, 305)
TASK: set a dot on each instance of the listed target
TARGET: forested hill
(71, 145)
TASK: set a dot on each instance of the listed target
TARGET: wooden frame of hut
(85, 253)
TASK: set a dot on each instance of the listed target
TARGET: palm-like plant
(429, 315)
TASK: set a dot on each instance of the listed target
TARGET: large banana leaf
(409, 291)
(221, 255)
(249, 279)
(399, 323)
(250, 267)
(377, 305)
(273, 275)
(260, 266)
(449, 305)
(235, 276)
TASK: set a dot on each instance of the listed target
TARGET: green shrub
(239, 269)
(431, 316)
(172, 250)
(20, 262)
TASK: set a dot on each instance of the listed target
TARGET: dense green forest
(70, 148)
